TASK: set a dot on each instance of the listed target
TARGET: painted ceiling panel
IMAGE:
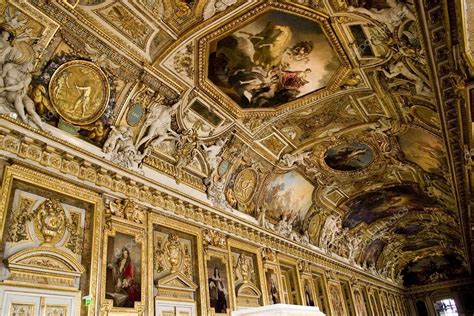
(317, 120)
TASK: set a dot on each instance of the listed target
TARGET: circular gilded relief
(79, 92)
(245, 184)
(349, 157)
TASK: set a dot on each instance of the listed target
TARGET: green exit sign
(87, 300)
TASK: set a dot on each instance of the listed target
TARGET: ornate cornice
(61, 159)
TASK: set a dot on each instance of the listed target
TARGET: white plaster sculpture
(392, 16)
(213, 152)
(399, 68)
(119, 145)
(100, 59)
(289, 160)
(214, 6)
(16, 65)
(157, 125)
(329, 233)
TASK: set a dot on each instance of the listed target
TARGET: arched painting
(409, 229)
(276, 58)
(418, 245)
(423, 149)
(349, 157)
(288, 195)
(373, 251)
(376, 205)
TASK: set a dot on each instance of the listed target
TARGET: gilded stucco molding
(92, 169)
(440, 45)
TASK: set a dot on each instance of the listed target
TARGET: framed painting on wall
(124, 275)
(273, 286)
(218, 285)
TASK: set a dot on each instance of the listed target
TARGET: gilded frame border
(52, 184)
(138, 232)
(224, 256)
(336, 284)
(163, 220)
(268, 266)
(289, 261)
(240, 245)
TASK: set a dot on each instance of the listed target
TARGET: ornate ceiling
(319, 120)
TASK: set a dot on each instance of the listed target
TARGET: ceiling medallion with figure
(79, 91)
(349, 157)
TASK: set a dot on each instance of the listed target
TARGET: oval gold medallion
(245, 185)
(79, 92)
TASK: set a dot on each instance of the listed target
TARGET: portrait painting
(336, 300)
(373, 251)
(424, 149)
(274, 59)
(288, 196)
(272, 287)
(218, 285)
(308, 293)
(372, 206)
(349, 157)
(124, 269)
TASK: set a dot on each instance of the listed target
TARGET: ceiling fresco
(268, 63)
(315, 120)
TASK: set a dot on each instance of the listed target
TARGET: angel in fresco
(300, 51)
(294, 79)
(270, 44)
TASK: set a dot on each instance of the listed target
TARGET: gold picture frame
(116, 228)
(336, 298)
(212, 257)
